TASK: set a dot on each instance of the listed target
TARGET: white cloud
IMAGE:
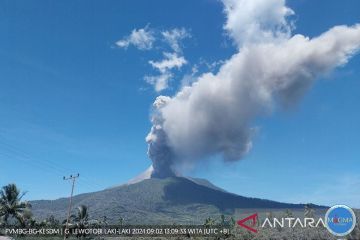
(160, 82)
(165, 67)
(174, 36)
(142, 39)
(145, 39)
(170, 61)
(191, 77)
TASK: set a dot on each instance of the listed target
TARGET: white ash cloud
(215, 115)
(157, 139)
(257, 21)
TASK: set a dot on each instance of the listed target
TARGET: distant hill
(169, 200)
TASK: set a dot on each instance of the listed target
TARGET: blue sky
(72, 101)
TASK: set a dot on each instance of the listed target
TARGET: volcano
(148, 200)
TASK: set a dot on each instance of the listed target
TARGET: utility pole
(73, 179)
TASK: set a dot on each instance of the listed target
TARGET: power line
(15, 153)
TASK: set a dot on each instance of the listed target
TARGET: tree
(82, 216)
(80, 220)
(51, 221)
(222, 220)
(232, 222)
(12, 206)
(309, 212)
(288, 213)
(209, 222)
(121, 221)
(105, 220)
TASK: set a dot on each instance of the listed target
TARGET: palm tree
(12, 206)
(209, 222)
(82, 216)
(80, 220)
(222, 220)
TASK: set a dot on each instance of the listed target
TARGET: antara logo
(251, 218)
(251, 221)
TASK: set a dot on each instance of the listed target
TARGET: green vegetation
(82, 217)
(12, 208)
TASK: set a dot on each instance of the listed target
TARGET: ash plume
(271, 69)
(159, 151)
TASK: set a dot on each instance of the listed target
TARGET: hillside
(169, 200)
